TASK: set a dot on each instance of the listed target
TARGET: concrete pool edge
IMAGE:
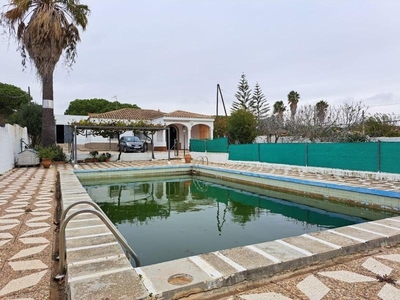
(377, 198)
(208, 271)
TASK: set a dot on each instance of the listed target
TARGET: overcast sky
(170, 55)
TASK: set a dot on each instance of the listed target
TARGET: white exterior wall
(10, 145)
(160, 139)
(66, 120)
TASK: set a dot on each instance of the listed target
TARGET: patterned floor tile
(34, 232)
(3, 242)
(6, 235)
(391, 257)
(10, 216)
(313, 288)
(376, 267)
(27, 265)
(42, 209)
(9, 221)
(346, 276)
(37, 224)
(36, 219)
(22, 283)
(29, 251)
(40, 213)
(265, 296)
(8, 227)
(17, 210)
(389, 292)
(38, 240)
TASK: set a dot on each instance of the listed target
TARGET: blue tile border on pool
(361, 190)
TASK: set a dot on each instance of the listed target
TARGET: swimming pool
(169, 218)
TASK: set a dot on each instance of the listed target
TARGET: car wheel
(125, 150)
(145, 147)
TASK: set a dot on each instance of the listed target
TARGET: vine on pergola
(110, 128)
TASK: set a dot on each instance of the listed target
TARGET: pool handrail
(197, 162)
(62, 242)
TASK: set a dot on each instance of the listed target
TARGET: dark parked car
(131, 143)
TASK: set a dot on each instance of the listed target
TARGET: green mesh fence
(373, 157)
(198, 145)
(390, 157)
(219, 145)
(347, 156)
(247, 152)
(289, 154)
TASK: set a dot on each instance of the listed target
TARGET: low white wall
(10, 145)
(212, 157)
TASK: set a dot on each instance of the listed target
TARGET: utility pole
(219, 92)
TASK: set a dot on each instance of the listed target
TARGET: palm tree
(279, 108)
(321, 107)
(44, 29)
(293, 99)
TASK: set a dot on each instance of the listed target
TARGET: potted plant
(46, 155)
(108, 156)
(188, 158)
(102, 157)
(94, 154)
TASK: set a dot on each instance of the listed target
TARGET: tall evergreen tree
(259, 107)
(243, 96)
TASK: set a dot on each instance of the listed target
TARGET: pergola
(116, 129)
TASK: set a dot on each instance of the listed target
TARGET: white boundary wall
(10, 145)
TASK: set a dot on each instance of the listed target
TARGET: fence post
(259, 154)
(379, 156)
(306, 154)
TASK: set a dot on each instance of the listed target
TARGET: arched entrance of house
(201, 131)
(173, 137)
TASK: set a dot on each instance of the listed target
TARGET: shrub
(46, 152)
(59, 153)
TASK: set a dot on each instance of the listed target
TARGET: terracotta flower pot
(46, 163)
(188, 158)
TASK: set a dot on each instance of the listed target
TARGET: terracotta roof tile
(186, 114)
(130, 114)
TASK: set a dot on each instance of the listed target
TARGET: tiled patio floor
(27, 207)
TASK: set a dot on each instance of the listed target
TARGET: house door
(60, 134)
(172, 141)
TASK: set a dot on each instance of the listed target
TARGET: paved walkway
(375, 275)
(27, 206)
(26, 232)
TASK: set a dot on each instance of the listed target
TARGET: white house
(183, 126)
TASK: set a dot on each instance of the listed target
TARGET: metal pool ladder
(98, 212)
(200, 159)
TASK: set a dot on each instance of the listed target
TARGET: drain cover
(180, 279)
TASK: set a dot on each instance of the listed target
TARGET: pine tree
(259, 105)
(243, 96)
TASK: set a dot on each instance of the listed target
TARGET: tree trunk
(48, 124)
